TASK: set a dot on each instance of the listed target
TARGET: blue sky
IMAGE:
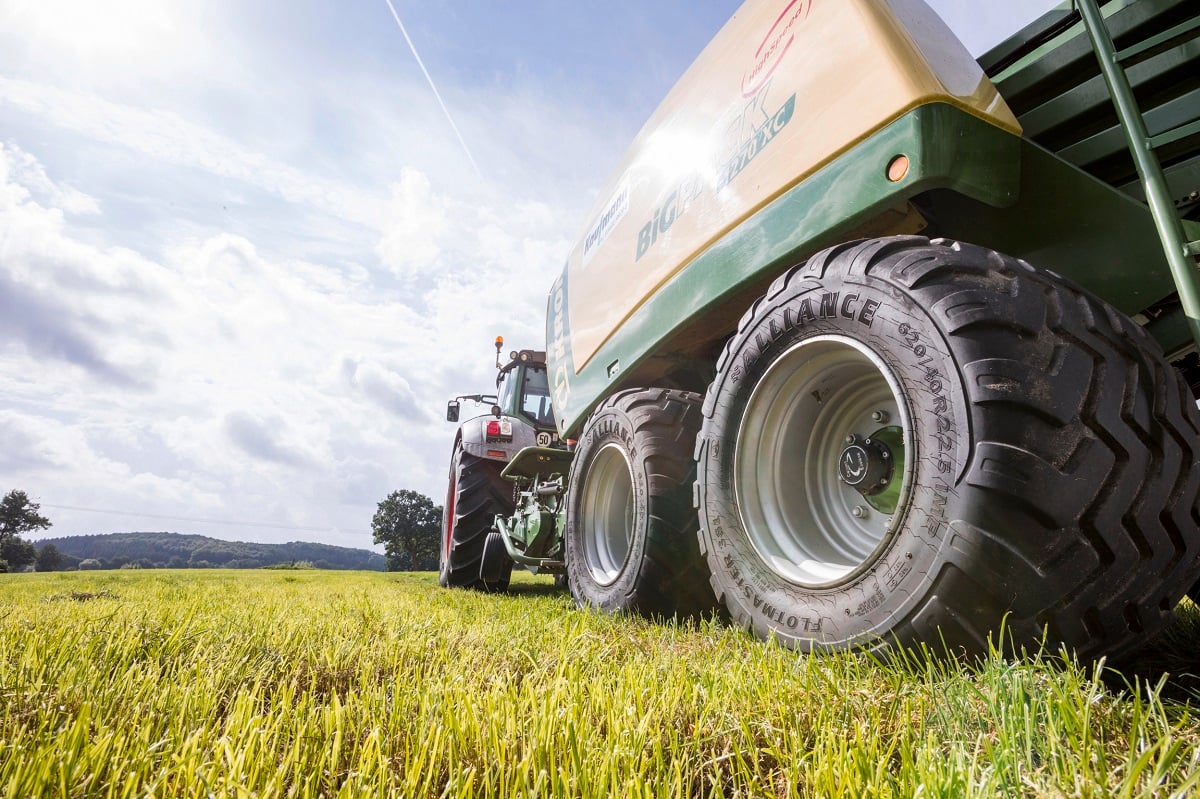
(244, 259)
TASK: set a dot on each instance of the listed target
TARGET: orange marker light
(897, 168)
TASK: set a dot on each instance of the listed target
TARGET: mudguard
(473, 435)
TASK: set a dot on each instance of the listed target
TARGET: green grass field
(306, 683)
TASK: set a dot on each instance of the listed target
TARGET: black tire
(1044, 476)
(495, 567)
(631, 541)
(475, 495)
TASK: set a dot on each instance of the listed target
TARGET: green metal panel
(1103, 102)
(1177, 250)
(1029, 46)
(1111, 142)
(1066, 57)
(1175, 134)
(1089, 103)
(1186, 29)
(1070, 223)
(1182, 178)
(532, 462)
(1049, 76)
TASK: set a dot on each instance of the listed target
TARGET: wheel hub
(866, 465)
(820, 462)
(607, 507)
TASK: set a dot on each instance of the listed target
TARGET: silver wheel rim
(808, 526)
(607, 514)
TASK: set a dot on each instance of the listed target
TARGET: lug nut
(859, 512)
(880, 417)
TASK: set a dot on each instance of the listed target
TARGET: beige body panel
(781, 90)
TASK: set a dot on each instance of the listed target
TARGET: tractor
(472, 553)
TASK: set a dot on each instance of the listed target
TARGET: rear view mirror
(452, 411)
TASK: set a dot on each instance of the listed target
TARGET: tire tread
(480, 494)
(1081, 431)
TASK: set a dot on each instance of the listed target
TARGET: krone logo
(774, 46)
(854, 465)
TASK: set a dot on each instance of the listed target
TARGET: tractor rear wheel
(476, 493)
(929, 443)
(631, 529)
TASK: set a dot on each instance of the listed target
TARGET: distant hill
(177, 551)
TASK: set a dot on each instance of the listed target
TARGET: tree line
(406, 522)
(179, 551)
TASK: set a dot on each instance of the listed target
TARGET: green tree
(49, 559)
(407, 523)
(17, 516)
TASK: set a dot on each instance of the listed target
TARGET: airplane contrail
(432, 86)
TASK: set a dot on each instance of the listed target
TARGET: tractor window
(535, 401)
(507, 386)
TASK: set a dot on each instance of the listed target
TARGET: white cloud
(280, 348)
(166, 137)
(57, 293)
(23, 177)
(258, 388)
(266, 439)
(416, 221)
(229, 346)
(98, 43)
(386, 387)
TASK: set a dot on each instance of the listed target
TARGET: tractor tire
(475, 495)
(631, 542)
(926, 443)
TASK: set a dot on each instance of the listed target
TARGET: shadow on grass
(1172, 658)
(522, 584)
(536, 589)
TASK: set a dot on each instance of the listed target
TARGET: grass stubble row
(307, 683)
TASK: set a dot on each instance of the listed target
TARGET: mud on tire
(1042, 459)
